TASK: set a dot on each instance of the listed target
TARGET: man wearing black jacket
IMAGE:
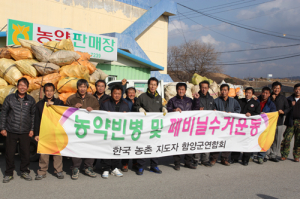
(282, 107)
(49, 99)
(203, 101)
(100, 92)
(114, 104)
(17, 124)
(249, 107)
(150, 101)
(292, 122)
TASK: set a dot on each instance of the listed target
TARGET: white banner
(98, 134)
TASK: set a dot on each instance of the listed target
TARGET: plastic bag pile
(52, 62)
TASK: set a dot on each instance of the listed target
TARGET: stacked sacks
(9, 72)
(196, 79)
(54, 62)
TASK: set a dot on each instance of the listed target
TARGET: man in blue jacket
(114, 104)
(130, 94)
(229, 105)
(266, 106)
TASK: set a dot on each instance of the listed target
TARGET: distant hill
(291, 78)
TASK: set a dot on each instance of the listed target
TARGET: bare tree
(192, 57)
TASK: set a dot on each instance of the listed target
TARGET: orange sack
(83, 56)
(91, 89)
(79, 71)
(64, 96)
(232, 92)
(87, 64)
(4, 53)
(20, 53)
(36, 83)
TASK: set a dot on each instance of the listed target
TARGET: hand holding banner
(98, 134)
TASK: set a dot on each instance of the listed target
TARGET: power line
(226, 21)
(249, 19)
(221, 5)
(243, 50)
(194, 15)
(222, 33)
(252, 62)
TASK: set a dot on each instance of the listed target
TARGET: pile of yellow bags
(52, 62)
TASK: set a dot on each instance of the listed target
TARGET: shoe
(7, 179)
(117, 173)
(213, 162)
(225, 162)
(260, 161)
(89, 171)
(140, 172)
(40, 177)
(105, 174)
(191, 166)
(265, 159)
(75, 174)
(155, 170)
(245, 163)
(60, 175)
(283, 159)
(125, 168)
(296, 159)
(135, 167)
(177, 167)
(26, 176)
(207, 164)
(274, 159)
(233, 161)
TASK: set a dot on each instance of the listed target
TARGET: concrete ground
(268, 181)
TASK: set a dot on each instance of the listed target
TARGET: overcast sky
(279, 17)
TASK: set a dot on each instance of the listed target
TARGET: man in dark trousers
(203, 101)
(114, 104)
(100, 91)
(17, 125)
(150, 101)
(130, 94)
(292, 122)
(266, 106)
(49, 99)
(249, 107)
(82, 99)
(229, 105)
(282, 107)
(130, 100)
(181, 103)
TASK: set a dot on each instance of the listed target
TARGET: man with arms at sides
(181, 103)
(292, 122)
(130, 100)
(17, 125)
(203, 101)
(266, 106)
(249, 107)
(226, 104)
(100, 91)
(114, 104)
(150, 101)
(82, 99)
(282, 107)
(49, 99)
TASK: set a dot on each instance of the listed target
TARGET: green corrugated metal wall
(126, 72)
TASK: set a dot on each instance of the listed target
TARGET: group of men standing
(21, 119)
